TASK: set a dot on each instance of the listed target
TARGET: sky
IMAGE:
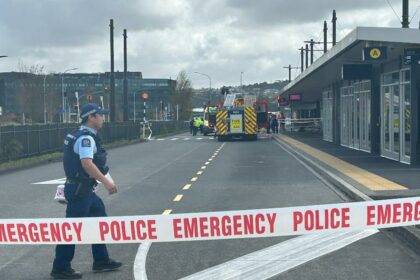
(220, 38)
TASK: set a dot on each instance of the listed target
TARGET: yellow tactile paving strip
(365, 178)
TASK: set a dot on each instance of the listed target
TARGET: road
(231, 176)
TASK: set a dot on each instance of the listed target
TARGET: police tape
(213, 225)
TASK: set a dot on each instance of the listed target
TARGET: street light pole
(208, 77)
(134, 107)
(78, 106)
(45, 106)
(242, 73)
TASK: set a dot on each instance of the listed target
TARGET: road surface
(158, 177)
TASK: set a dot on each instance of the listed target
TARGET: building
(24, 93)
(367, 86)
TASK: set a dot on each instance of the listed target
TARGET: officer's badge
(86, 142)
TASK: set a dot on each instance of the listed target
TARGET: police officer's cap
(92, 108)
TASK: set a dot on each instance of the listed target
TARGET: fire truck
(237, 118)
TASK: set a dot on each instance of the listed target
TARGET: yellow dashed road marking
(186, 187)
(178, 197)
(167, 212)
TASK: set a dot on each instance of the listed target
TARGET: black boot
(65, 274)
(103, 266)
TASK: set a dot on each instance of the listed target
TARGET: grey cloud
(251, 13)
(217, 37)
(73, 22)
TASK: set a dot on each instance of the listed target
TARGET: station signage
(356, 71)
(294, 97)
(375, 53)
(411, 56)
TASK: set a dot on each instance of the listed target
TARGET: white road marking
(194, 179)
(271, 261)
(174, 139)
(199, 172)
(161, 139)
(187, 138)
(207, 162)
(52, 182)
(203, 167)
(139, 266)
(199, 138)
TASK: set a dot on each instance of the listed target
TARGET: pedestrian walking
(84, 161)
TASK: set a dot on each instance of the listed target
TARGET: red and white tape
(213, 225)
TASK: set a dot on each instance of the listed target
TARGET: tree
(36, 69)
(182, 95)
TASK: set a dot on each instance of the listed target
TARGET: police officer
(84, 163)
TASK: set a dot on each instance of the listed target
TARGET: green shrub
(12, 149)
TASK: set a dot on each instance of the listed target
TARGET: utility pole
(325, 36)
(405, 23)
(125, 85)
(111, 77)
(334, 26)
(290, 67)
(306, 55)
(311, 43)
(301, 58)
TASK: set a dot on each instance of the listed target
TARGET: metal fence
(305, 124)
(29, 140)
